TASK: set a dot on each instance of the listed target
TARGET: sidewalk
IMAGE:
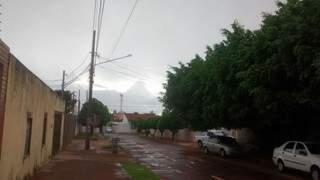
(76, 163)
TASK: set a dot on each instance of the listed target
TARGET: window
(228, 140)
(314, 148)
(213, 140)
(289, 147)
(300, 149)
(44, 130)
(28, 135)
(210, 134)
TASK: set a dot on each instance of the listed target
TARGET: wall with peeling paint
(26, 93)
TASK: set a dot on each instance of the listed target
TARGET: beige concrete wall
(184, 135)
(244, 135)
(26, 93)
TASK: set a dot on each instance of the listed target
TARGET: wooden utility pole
(121, 99)
(79, 103)
(63, 79)
(91, 74)
(78, 125)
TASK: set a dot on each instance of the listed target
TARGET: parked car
(222, 145)
(303, 156)
(205, 135)
(108, 130)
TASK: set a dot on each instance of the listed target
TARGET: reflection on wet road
(172, 161)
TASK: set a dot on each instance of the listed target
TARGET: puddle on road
(159, 158)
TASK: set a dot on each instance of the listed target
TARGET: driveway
(185, 161)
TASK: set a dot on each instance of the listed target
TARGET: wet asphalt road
(184, 161)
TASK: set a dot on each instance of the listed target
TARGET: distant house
(121, 120)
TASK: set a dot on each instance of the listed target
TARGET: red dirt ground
(76, 163)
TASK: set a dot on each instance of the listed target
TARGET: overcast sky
(49, 36)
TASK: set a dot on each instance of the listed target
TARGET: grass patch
(139, 172)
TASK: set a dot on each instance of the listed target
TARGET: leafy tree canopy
(266, 80)
(98, 109)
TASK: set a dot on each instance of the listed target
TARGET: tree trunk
(154, 133)
(161, 134)
(173, 134)
(91, 130)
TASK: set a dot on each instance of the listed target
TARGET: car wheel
(315, 173)
(200, 144)
(280, 166)
(222, 153)
(206, 150)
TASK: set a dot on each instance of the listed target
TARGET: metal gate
(56, 133)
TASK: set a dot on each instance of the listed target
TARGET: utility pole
(63, 79)
(91, 74)
(72, 99)
(79, 102)
(121, 99)
(78, 126)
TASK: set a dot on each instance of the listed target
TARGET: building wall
(183, 135)
(4, 63)
(244, 136)
(27, 93)
(123, 126)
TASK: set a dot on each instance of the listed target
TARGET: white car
(222, 145)
(304, 156)
(108, 130)
(204, 136)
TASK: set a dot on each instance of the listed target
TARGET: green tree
(283, 74)
(171, 123)
(70, 102)
(100, 111)
(266, 80)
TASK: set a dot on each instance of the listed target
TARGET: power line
(124, 28)
(94, 15)
(132, 71)
(57, 85)
(123, 73)
(76, 77)
(100, 17)
(126, 76)
(82, 63)
(53, 80)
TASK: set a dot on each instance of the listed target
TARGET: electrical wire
(130, 70)
(76, 77)
(124, 29)
(80, 65)
(100, 17)
(124, 73)
(94, 15)
(53, 80)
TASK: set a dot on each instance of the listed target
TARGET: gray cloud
(51, 36)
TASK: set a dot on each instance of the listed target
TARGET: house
(121, 121)
(31, 119)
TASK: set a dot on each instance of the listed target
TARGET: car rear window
(227, 140)
(314, 148)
